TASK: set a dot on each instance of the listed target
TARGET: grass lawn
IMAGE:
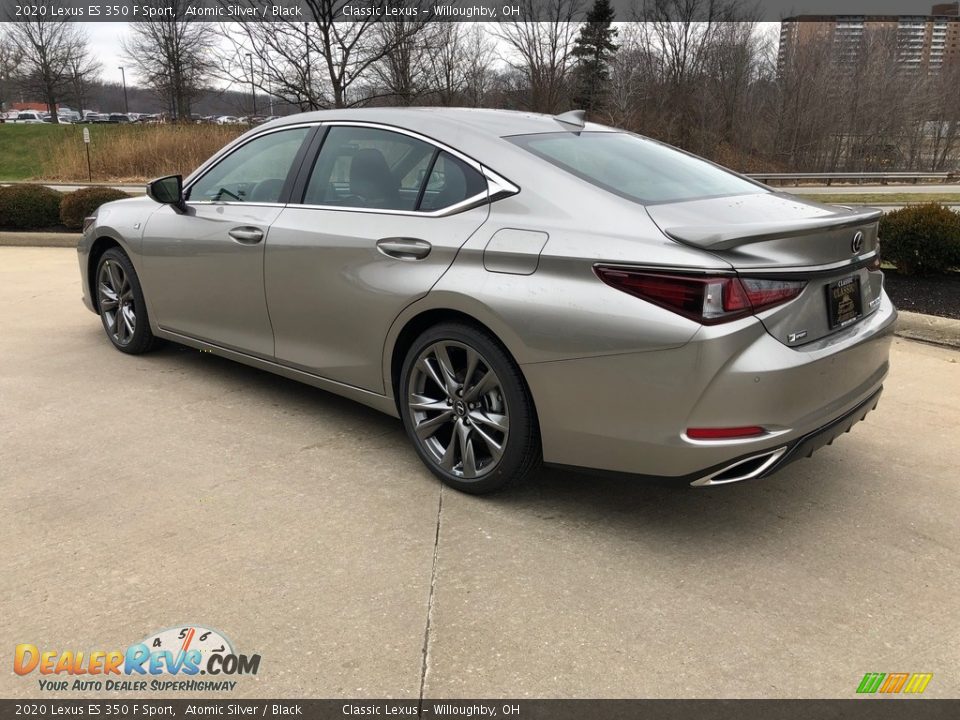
(24, 148)
(882, 198)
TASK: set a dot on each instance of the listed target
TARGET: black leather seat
(371, 179)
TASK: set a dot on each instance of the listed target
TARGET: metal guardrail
(882, 178)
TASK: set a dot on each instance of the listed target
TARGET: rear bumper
(628, 413)
(755, 466)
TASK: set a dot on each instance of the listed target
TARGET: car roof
(444, 124)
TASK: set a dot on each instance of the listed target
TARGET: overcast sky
(105, 41)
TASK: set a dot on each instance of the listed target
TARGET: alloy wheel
(115, 297)
(458, 409)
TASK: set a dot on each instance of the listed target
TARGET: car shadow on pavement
(751, 512)
(262, 384)
(620, 505)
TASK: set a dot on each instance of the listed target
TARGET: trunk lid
(778, 236)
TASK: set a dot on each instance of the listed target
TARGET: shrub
(921, 239)
(78, 205)
(29, 207)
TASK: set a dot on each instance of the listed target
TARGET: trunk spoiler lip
(710, 238)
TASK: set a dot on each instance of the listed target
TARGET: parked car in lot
(514, 287)
(28, 117)
(227, 120)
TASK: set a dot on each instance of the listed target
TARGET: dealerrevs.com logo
(169, 660)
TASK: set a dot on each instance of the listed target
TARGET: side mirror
(168, 191)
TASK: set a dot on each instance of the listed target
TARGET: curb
(929, 328)
(39, 239)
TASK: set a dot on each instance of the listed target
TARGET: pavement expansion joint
(425, 663)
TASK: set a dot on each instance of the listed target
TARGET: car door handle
(246, 235)
(403, 248)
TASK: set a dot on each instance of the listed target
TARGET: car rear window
(633, 167)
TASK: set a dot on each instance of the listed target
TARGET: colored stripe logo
(892, 683)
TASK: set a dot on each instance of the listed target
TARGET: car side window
(360, 167)
(451, 181)
(254, 172)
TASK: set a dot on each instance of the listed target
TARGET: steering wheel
(223, 191)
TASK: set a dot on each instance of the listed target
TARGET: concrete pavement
(146, 492)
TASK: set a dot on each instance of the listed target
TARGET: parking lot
(141, 493)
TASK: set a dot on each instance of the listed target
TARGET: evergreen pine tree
(592, 50)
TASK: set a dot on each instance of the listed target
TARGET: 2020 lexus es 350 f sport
(517, 288)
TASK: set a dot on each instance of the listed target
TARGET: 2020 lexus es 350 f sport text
(517, 288)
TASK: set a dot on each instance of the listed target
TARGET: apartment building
(924, 43)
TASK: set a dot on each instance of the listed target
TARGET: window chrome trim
(498, 187)
(463, 205)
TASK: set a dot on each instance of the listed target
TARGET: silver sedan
(517, 288)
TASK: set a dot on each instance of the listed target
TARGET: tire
(120, 304)
(477, 432)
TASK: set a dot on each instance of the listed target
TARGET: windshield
(633, 167)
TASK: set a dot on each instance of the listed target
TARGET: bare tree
(633, 72)
(404, 68)
(541, 51)
(8, 64)
(84, 71)
(460, 63)
(943, 127)
(172, 56)
(45, 52)
(324, 62)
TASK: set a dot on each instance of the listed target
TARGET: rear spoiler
(732, 236)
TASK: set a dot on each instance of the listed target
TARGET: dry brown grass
(132, 152)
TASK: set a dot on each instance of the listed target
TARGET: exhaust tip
(745, 469)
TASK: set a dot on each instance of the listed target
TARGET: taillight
(704, 298)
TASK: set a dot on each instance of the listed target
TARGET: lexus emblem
(856, 245)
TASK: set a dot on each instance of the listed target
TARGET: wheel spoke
(498, 422)
(427, 404)
(129, 319)
(473, 360)
(468, 460)
(114, 273)
(427, 368)
(427, 428)
(108, 298)
(446, 367)
(496, 449)
(119, 329)
(487, 382)
(449, 454)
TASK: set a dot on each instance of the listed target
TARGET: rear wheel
(120, 303)
(467, 410)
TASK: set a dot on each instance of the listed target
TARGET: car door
(203, 268)
(383, 214)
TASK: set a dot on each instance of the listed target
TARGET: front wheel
(121, 305)
(467, 409)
